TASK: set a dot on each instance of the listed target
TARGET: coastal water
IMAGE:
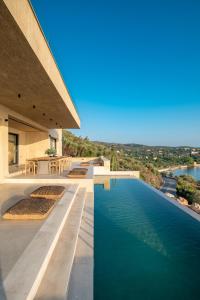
(195, 172)
(145, 248)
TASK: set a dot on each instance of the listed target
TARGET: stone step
(81, 278)
(23, 280)
(55, 281)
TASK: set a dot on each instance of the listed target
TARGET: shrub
(50, 151)
(196, 197)
(186, 187)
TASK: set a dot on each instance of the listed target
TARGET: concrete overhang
(30, 81)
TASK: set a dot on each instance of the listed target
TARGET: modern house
(34, 102)
(35, 106)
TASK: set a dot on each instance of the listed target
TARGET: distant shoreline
(177, 168)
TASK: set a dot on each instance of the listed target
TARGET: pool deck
(15, 236)
(20, 238)
(22, 279)
(62, 176)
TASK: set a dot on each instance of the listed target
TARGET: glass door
(53, 143)
(12, 149)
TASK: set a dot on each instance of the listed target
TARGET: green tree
(186, 187)
(196, 197)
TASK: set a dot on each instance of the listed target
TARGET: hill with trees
(82, 147)
(160, 156)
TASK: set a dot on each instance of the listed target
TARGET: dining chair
(30, 167)
(54, 167)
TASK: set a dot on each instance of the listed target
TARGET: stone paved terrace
(15, 235)
(19, 236)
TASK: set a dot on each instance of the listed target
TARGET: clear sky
(131, 67)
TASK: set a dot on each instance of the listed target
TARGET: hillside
(159, 156)
(83, 147)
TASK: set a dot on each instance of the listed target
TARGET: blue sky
(131, 67)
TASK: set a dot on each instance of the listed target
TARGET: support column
(3, 146)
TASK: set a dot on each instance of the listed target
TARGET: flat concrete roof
(31, 83)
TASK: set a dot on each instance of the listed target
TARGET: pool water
(144, 247)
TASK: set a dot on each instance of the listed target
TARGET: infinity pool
(145, 247)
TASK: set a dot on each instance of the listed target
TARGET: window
(13, 149)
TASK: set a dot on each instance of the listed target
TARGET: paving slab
(15, 237)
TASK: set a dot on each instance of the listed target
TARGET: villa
(34, 104)
(47, 199)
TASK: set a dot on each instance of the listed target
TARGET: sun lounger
(78, 173)
(85, 164)
(30, 209)
(53, 192)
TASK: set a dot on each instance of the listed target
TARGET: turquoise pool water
(195, 172)
(145, 247)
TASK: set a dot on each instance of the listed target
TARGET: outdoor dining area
(47, 165)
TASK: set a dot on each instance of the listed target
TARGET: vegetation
(50, 151)
(188, 188)
(82, 147)
(160, 157)
(196, 197)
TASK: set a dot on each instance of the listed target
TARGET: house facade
(34, 102)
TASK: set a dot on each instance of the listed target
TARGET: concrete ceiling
(25, 86)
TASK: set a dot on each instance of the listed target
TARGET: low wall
(106, 162)
(82, 159)
(102, 171)
(102, 159)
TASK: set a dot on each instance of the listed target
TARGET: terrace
(77, 209)
(31, 247)
(22, 239)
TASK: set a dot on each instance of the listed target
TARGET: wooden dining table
(43, 163)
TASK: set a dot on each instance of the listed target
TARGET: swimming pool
(144, 246)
